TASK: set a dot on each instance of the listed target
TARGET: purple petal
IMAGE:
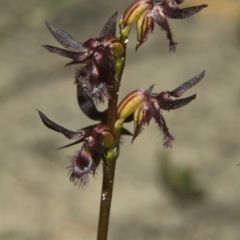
(160, 19)
(67, 133)
(71, 144)
(88, 106)
(187, 85)
(178, 13)
(109, 28)
(65, 39)
(76, 56)
(155, 112)
(167, 136)
(171, 105)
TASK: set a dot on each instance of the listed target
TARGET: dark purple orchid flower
(146, 12)
(83, 163)
(96, 140)
(98, 54)
(143, 105)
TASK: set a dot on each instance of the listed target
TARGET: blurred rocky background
(191, 191)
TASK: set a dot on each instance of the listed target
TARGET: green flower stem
(109, 169)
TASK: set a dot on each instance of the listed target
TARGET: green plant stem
(109, 170)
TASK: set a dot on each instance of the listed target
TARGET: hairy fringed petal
(93, 82)
(98, 139)
(162, 22)
(167, 136)
(100, 92)
(154, 108)
(170, 9)
(83, 163)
